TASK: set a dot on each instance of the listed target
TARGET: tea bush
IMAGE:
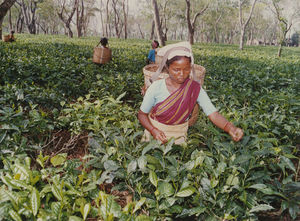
(49, 83)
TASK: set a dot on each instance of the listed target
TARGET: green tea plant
(57, 193)
(50, 83)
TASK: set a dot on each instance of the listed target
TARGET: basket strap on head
(165, 58)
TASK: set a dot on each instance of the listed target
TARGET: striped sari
(178, 106)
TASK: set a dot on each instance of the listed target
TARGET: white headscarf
(170, 51)
(179, 49)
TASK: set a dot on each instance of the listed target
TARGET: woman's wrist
(228, 127)
(152, 129)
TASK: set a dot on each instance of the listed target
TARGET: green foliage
(59, 193)
(49, 83)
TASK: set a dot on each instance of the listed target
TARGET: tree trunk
(188, 19)
(191, 36)
(141, 31)
(216, 37)
(4, 7)
(9, 20)
(160, 37)
(242, 35)
(285, 27)
(152, 30)
(279, 50)
(29, 13)
(116, 19)
(101, 17)
(80, 19)
(125, 11)
(67, 20)
(20, 23)
(244, 25)
(191, 24)
(107, 20)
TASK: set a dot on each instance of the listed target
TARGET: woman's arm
(221, 122)
(156, 133)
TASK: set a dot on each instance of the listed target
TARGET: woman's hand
(236, 133)
(156, 133)
(159, 135)
(221, 122)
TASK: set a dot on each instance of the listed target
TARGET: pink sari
(178, 106)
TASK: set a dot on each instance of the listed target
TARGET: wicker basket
(194, 115)
(101, 55)
(150, 69)
(158, 58)
(200, 71)
(6, 38)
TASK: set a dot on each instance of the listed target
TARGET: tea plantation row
(70, 139)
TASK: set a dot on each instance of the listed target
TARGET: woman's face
(179, 70)
(154, 45)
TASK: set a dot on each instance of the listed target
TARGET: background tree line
(209, 21)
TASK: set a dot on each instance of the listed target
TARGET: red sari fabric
(179, 105)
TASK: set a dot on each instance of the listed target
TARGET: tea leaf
(86, 210)
(165, 189)
(59, 159)
(153, 178)
(261, 207)
(35, 201)
(185, 192)
(14, 215)
(139, 204)
(132, 166)
(75, 218)
(289, 163)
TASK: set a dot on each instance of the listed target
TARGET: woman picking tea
(168, 103)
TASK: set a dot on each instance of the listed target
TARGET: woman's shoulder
(158, 82)
(157, 85)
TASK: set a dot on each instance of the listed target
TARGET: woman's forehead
(181, 61)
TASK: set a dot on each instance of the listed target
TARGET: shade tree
(244, 20)
(192, 13)
(4, 8)
(285, 22)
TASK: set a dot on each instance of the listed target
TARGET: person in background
(12, 37)
(151, 55)
(104, 53)
(104, 42)
(168, 103)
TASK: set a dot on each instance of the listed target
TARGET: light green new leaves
(262, 207)
(132, 166)
(153, 178)
(185, 192)
(165, 189)
(59, 159)
(265, 189)
(288, 163)
(139, 204)
(74, 218)
(35, 201)
(142, 162)
(15, 216)
(109, 207)
(56, 192)
(85, 210)
(232, 180)
(186, 189)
